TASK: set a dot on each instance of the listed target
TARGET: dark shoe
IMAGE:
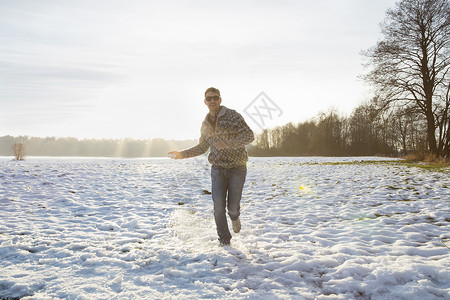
(236, 225)
(224, 242)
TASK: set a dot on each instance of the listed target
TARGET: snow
(312, 228)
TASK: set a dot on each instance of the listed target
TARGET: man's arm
(198, 149)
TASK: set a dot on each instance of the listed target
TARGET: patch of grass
(376, 216)
(427, 160)
(429, 166)
(381, 215)
(393, 187)
(358, 162)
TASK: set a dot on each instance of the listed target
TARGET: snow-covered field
(84, 228)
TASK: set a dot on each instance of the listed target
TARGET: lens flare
(305, 189)
(303, 186)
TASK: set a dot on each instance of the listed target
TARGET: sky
(139, 69)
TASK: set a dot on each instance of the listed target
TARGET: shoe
(236, 225)
(224, 242)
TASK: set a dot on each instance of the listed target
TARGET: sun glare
(305, 189)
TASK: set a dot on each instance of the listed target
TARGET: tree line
(367, 131)
(53, 146)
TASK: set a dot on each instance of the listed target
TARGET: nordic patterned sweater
(231, 128)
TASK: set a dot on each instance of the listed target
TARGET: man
(225, 133)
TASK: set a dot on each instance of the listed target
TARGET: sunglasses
(215, 98)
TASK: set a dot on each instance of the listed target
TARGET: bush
(19, 151)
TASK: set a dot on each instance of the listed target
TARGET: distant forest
(367, 131)
(52, 146)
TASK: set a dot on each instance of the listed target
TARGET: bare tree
(410, 66)
(19, 151)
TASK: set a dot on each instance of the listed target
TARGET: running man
(225, 132)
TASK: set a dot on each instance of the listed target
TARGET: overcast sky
(129, 68)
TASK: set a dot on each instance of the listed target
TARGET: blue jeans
(227, 182)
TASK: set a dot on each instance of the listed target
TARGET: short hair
(212, 89)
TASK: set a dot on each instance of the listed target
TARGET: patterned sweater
(231, 128)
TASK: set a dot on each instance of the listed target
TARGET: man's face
(213, 101)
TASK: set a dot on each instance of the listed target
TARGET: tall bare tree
(410, 65)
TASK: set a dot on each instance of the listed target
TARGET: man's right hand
(175, 155)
